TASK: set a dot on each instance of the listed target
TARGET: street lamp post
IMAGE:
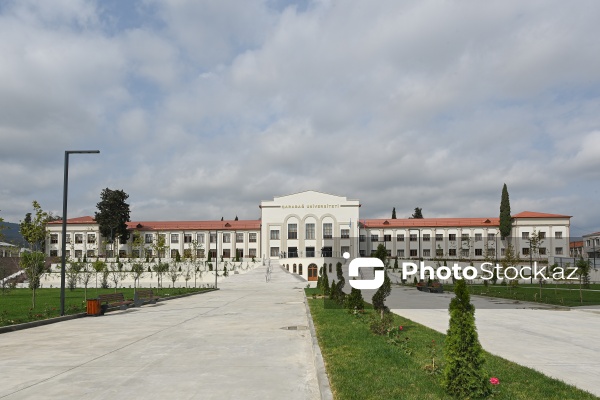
(64, 224)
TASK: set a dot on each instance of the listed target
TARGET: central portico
(302, 229)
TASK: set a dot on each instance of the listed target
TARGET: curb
(324, 387)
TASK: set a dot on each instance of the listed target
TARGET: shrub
(463, 373)
(381, 326)
(325, 280)
(354, 301)
(381, 294)
(333, 291)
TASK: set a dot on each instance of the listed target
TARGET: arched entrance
(313, 272)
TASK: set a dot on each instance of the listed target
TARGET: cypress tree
(505, 218)
(325, 280)
(463, 374)
(394, 213)
(355, 301)
(384, 290)
(340, 283)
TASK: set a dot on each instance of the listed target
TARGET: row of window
(174, 238)
(309, 230)
(465, 252)
(439, 237)
(187, 253)
(91, 238)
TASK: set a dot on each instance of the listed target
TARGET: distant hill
(12, 234)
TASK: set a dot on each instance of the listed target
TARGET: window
(78, 238)
(426, 253)
(327, 231)
(226, 253)
(148, 238)
(161, 253)
(464, 237)
(452, 238)
(426, 237)
(200, 238)
(213, 238)
(524, 235)
(452, 252)
(558, 235)
(413, 253)
(310, 252)
(362, 253)
(135, 253)
(239, 237)
(148, 253)
(122, 253)
(274, 234)
(362, 238)
(53, 253)
(439, 252)
(122, 241)
(491, 252)
(174, 253)
(68, 238)
(68, 254)
(558, 251)
(292, 231)
(54, 238)
(251, 253)
(413, 237)
(387, 238)
(542, 235)
(439, 237)
(187, 238)
(175, 238)
(478, 237)
(345, 234)
(525, 251)
(187, 253)
(226, 237)
(400, 237)
(374, 238)
(91, 238)
(345, 249)
(542, 251)
(464, 252)
(400, 253)
(78, 253)
(252, 237)
(503, 252)
(389, 253)
(478, 252)
(200, 253)
(310, 231)
(274, 251)
(491, 236)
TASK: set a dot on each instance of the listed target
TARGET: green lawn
(561, 294)
(16, 304)
(361, 365)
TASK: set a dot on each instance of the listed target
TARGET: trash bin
(93, 307)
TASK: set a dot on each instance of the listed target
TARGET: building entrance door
(313, 273)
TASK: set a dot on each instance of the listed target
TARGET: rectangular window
(413, 253)
(503, 252)
(374, 238)
(292, 231)
(491, 236)
(226, 237)
(345, 233)
(122, 253)
(426, 253)
(187, 238)
(400, 253)
(68, 238)
(389, 253)
(78, 238)
(148, 237)
(542, 235)
(54, 238)
(557, 235)
(91, 238)
(464, 237)
(400, 237)
(134, 253)
(162, 253)
(452, 238)
(345, 249)
(148, 253)
(174, 253)
(226, 253)
(478, 237)
(274, 251)
(239, 253)
(175, 238)
(542, 251)
(413, 237)
(426, 237)
(239, 237)
(200, 238)
(439, 252)
(558, 251)
(524, 235)
(213, 238)
(251, 253)
(439, 237)
(478, 252)
(362, 238)
(464, 252)
(274, 234)
(187, 253)
(90, 253)
(53, 253)
(78, 253)
(387, 238)
(491, 252)
(310, 231)
(200, 253)
(252, 237)
(310, 252)
(525, 251)
(327, 231)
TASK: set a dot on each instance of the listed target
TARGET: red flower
(494, 381)
(400, 328)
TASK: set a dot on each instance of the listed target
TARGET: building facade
(307, 230)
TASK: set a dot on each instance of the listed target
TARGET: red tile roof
(176, 225)
(576, 244)
(430, 222)
(78, 220)
(533, 214)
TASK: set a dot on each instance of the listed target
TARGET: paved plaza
(227, 344)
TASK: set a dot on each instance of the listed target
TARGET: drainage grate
(295, 328)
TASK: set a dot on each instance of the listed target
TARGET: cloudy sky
(203, 108)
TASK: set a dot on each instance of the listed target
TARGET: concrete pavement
(227, 344)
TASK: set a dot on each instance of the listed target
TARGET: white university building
(304, 231)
